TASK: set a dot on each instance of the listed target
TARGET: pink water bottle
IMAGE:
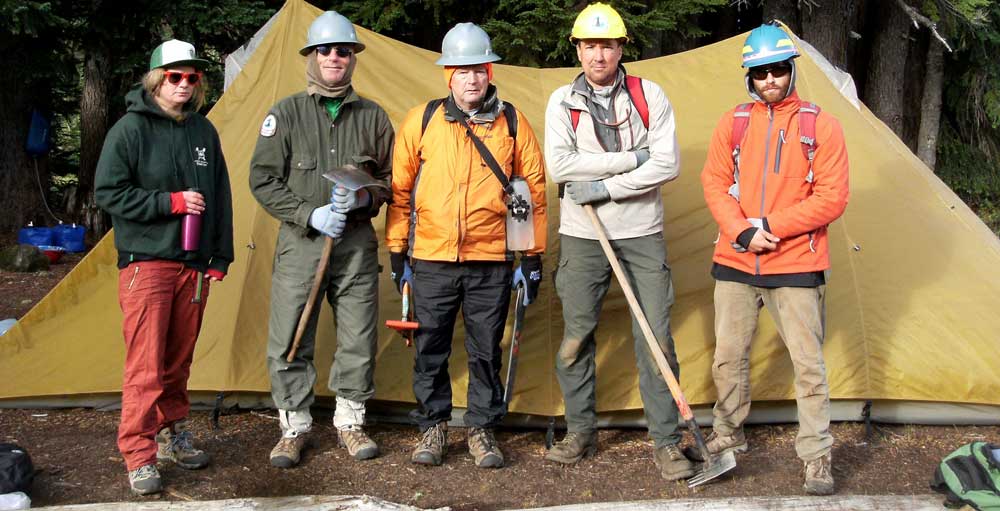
(190, 231)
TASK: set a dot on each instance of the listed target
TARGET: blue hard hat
(768, 44)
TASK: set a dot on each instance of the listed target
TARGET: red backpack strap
(741, 119)
(808, 112)
(633, 84)
(574, 117)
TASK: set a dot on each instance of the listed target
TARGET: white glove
(345, 200)
(327, 221)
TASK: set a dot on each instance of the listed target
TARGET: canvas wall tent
(912, 298)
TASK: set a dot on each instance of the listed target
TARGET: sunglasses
(341, 51)
(175, 77)
(760, 73)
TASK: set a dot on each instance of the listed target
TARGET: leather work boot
(483, 447)
(432, 446)
(573, 448)
(145, 480)
(819, 476)
(176, 444)
(672, 463)
(716, 443)
(358, 444)
(288, 451)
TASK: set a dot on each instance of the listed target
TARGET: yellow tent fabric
(912, 299)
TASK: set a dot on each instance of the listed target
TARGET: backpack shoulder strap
(808, 112)
(429, 110)
(511, 114)
(633, 85)
(741, 119)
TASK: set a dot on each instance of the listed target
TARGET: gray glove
(345, 200)
(587, 192)
(327, 221)
(641, 156)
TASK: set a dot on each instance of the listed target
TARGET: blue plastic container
(36, 236)
(69, 237)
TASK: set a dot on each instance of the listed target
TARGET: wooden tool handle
(654, 347)
(307, 311)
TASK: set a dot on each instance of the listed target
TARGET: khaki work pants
(351, 288)
(798, 313)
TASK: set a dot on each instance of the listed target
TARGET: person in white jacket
(610, 143)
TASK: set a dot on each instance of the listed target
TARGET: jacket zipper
(763, 182)
(777, 154)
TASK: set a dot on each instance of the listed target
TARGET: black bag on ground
(16, 470)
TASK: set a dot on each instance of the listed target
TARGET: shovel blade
(714, 467)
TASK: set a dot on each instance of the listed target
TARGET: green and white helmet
(176, 53)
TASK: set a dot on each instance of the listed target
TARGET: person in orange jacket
(773, 192)
(449, 215)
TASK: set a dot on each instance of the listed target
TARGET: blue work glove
(327, 221)
(587, 192)
(401, 271)
(641, 156)
(345, 200)
(529, 274)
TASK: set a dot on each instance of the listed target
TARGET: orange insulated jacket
(775, 184)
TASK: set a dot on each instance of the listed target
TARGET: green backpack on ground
(970, 475)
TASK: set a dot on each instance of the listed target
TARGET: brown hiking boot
(432, 446)
(483, 447)
(717, 444)
(357, 443)
(819, 476)
(672, 463)
(288, 451)
(176, 444)
(573, 448)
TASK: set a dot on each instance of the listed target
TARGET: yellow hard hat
(598, 21)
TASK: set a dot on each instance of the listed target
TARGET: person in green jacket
(301, 137)
(163, 179)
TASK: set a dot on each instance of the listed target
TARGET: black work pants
(482, 291)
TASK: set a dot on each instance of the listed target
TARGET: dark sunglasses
(761, 72)
(175, 77)
(341, 51)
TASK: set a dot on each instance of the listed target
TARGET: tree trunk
(930, 112)
(828, 28)
(94, 107)
(19, 193)
(884, 88)
(785, 10)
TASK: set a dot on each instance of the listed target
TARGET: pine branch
(919, 19)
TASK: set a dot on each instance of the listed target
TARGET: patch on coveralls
(270, 126)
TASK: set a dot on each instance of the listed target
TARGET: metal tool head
(713, 467)
(352, 178)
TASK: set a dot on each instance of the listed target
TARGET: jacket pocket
(302, 178)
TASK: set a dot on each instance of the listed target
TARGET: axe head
(352, 178)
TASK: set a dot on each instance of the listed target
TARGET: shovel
(353, 179)
(714, 466)
(404, 326)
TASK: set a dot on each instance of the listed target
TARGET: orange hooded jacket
(774, 185)
(459, 203)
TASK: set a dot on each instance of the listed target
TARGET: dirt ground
(75, 451)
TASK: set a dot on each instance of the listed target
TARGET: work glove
(327, 221)
(587, 192)
(401, 271)
(529, 274)
(345, 200)
(641, 156)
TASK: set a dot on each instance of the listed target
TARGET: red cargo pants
(161, 326)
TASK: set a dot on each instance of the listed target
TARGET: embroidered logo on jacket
(200, 160)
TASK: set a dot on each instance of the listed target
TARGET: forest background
(927, 68)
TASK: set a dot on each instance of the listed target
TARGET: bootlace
(144, 472)
(182, 441)
(485, 440)
(431, 437)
